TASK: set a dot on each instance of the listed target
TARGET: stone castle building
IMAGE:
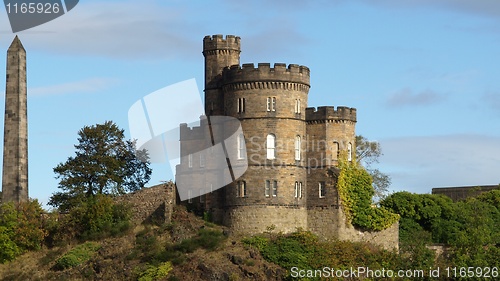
(291, 149)
(15, 139)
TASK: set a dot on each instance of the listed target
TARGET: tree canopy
(104, 163)
(368, 153)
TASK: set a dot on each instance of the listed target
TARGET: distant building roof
(463, 192)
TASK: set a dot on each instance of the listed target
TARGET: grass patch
(76, 256)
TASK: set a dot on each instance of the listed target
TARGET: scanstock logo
(27, 14)
(204, 153)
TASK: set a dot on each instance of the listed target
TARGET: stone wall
(257, 219)
(151, 204)
(388, 238)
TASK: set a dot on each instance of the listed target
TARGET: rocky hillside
(197, 250)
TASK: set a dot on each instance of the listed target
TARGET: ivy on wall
(356, 191)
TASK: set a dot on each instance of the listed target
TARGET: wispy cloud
(490, 8)
(85, 86)
(492, 99)
(122, 29)
(406, 97)
(418, 164)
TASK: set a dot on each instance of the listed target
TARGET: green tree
(368, 153)
(20, 229)
(105, 163)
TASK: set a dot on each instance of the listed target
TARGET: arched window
(241, 147)
(271, 146)
(336, 150)
(297, 147)
(349, 152)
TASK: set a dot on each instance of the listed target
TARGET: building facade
(292, 150)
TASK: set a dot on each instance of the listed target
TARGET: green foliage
(78, 255)
(303, 250)
(470, 228)
(8, 248)
(207, 239)
(105, 163)
(152, 273)
(95, 218)
(356, 192)
(20, 229)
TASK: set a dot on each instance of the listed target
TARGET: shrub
(96, 218)
(78, 255)
(152, 273)
(356, 192)
(20, 229)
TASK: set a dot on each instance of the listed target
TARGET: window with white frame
(240, 108)
(241, 189)
(349, 152)
(271, 146)
(190, 196)
(297, 147)
(297, 106)
(300, 189)
(321, 189)
(275, 188)
(241, 147)
(271, 104)
(190, 160)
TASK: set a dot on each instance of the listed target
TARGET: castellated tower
(292, 151)
(219, 52)
(15, 145)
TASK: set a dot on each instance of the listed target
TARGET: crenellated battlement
(194, 132)
(265, 73)
(219, 42)
(324, 113)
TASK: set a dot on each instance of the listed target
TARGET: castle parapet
(265, 73)
(218, 42)
(195, 132)
(330, 113)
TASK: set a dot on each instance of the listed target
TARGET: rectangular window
(202, 196)
(271, 146)
(297, 106)
(322, 190)
(271, 104)
(190, 196)
(202, 159)
(242, 189)
(241, 147)
(296, 190)
(190, 160)
(241, 105)
(275, 188)
(300, 189)
(268, 188)
(297, 148)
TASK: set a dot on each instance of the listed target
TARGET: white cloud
(419, 164)
(406, 97)
(84, 86)
(128, 29)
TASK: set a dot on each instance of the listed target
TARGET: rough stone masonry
(15, 142)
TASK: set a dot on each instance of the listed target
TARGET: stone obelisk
(15, 139)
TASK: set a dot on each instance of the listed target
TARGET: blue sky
(423, 75)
